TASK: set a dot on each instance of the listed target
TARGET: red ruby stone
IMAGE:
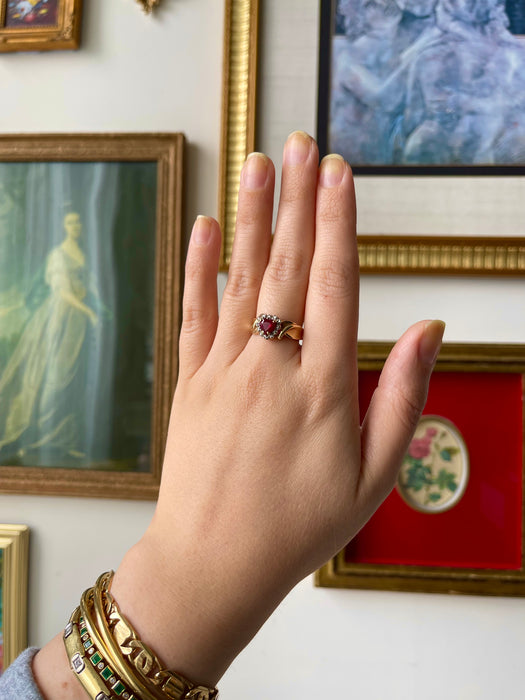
(268, 325)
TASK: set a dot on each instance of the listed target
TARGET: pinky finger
(200, 305)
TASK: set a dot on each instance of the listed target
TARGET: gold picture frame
(29, 31)
(14, 561)
(161, 155)
(379, 254)
(493, 372)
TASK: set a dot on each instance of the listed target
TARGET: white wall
(161, 74)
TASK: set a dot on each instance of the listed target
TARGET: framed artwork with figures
(40, 25)
(465, 464)
(90, 235)
(423, 84)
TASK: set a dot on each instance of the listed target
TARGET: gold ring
(273, 328)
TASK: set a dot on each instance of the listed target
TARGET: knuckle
(192, 320)
(194, 268)
(294, 189)
(330, 211)
(286, 264)
(241, 282)
(249, 210)
(334, 278)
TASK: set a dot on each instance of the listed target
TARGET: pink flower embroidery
(431, 432)
(419, 448)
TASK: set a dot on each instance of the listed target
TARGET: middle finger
(285, 281)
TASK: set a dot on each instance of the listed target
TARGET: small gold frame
(64, 35)
(14, 545)
(338, 573)
(167, 151)
(378, 254)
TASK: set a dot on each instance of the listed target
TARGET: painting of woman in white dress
(40, 384)
(76, 355)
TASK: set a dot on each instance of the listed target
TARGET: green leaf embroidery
(446, 480)
(447, 453)
(418, 476)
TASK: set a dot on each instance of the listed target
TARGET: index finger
(332, 302)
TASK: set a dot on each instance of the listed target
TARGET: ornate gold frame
(167, 151)
(239, 84)
(14, 543)
(66, 35)
(338, 573)
(378, 254)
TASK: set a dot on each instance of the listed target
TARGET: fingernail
(332, 170)
(430, 343)
(255, 171)
(297, 148)
(201, 230)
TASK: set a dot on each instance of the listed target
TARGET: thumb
(396, 406)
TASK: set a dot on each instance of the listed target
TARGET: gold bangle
(96, 621)
(143, 660)
(89, 665)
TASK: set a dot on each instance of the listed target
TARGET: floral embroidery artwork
(434, 473)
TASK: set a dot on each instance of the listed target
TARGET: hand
(267, 472)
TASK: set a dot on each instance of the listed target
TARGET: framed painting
(423, 84)
(455, 521)
(40, 25)
(14, 560)
(413, 219)
(90, 237)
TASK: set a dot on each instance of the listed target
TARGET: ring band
(272, 327)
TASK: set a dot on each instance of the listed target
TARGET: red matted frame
(477, 546)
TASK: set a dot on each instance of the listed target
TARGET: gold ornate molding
(238, 109)
(433, 255)
(14, 546)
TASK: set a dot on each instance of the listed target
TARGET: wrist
(195, 617)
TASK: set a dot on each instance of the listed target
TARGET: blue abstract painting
(426, 82)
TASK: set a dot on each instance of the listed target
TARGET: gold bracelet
(173, 685)
(89, 664)
(111, 661)
(96, 625)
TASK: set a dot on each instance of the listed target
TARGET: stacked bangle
(111, 661)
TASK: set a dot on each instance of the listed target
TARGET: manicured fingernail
(201, 230)
(255, 171)
(430, 343)
(297, 148)
(332, 170)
